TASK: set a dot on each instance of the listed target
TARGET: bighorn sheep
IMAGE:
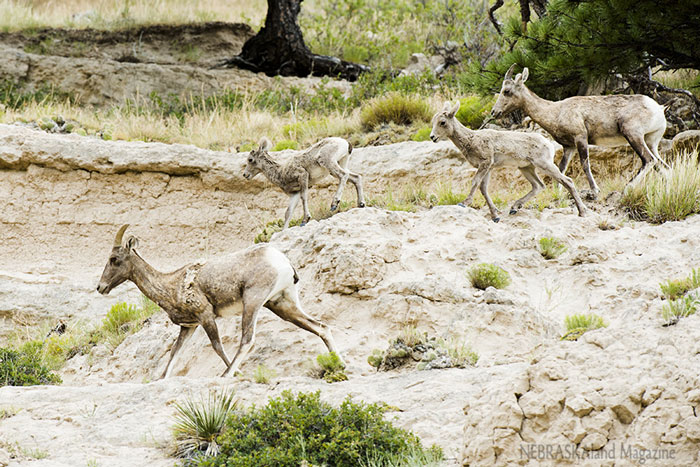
(330, 155)
(486, 149)
(579, 121)
(198, 293)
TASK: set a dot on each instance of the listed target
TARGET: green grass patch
(330, 368)
(486, 275)
(286, 144)
(578, 324)
(263, 374)
(473, 110)
(551, 248)
(666, 195)
(300, 429)
(422, 135)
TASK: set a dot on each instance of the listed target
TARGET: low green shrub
(302, 430)
(486, 275)
(551, 248)
(286, 144)
(446, 196)
(124, 319)
(676, 288)
(666, 195)
(199, 422)
(576, 325)
(397, 108)
(25, 368)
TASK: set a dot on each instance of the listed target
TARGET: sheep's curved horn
(509, 73)
(120, 235)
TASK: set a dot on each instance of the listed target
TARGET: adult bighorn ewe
(486, 149)
(579, 121)
(196, 294)
(330, 155)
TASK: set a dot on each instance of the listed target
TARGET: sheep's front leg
(582, 146)
(185, 332)
(293, 200)
(484, 187)
(481, 172)
(208, 322)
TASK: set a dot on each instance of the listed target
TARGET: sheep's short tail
(349, 147)
(296, 275)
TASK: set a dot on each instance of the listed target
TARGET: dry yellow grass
(112, 14)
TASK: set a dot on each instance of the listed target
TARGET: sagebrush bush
(124, 319)
(666, 195)
(576, 325)
(676, 288)
(199, 422)
(263, 374)
(397, 108)
(551, 248)
(292, 430)
(24, 368)
(486, 275)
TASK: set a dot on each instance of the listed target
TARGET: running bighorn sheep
(486, 149)
(579, 121)
(198, 293)
(330, 155)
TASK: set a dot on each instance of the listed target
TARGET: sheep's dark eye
(250, 161)
(442, 123)
(114, 261)
(507, 92)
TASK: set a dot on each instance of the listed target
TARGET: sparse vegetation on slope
(485, 275)
(578, 324)
(24, 368)
(675, 288)
(551, 248)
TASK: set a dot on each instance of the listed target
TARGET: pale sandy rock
(688, 140)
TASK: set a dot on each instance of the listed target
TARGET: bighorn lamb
(579, 121)
(330, 155)
(486, 149)
(198, 293)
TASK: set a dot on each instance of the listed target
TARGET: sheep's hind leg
(484, 186)
(304, 198)
(481, 172)
(293, 200)
(531, 175)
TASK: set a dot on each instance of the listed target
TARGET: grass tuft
(486, 275)
(666, 195)
(679, 308)
(576, 325)
(263, 374)
(330, 368)
(676, 288)
(551, 248)
(396, 108)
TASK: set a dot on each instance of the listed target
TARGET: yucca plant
(199, 422)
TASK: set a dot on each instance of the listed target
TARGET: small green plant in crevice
(294, 430)
(24, 368)
(396, 108)
(446, 195)
(486, 275)
(124, 319)
(679, 308)
(285, 144)
(319, 211)
(578, 324)
(329, 367)
(413, 346)
(263, 374)
(675, 288)
(422, 135)
(551, 248)
(199, 422)
(7, 412)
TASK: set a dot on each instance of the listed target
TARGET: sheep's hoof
(513, 211)
(360, 205)
(590, 195)
(462, 205)
(334, 206)
(496, 219)
(303, 223)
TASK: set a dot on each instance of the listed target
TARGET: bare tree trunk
(279, 48)
(540, 7)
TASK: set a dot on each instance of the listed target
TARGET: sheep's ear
(453, 110)
(132, 243)
(526, 73)
(265, 144)
(509, 73)
(446, 106)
